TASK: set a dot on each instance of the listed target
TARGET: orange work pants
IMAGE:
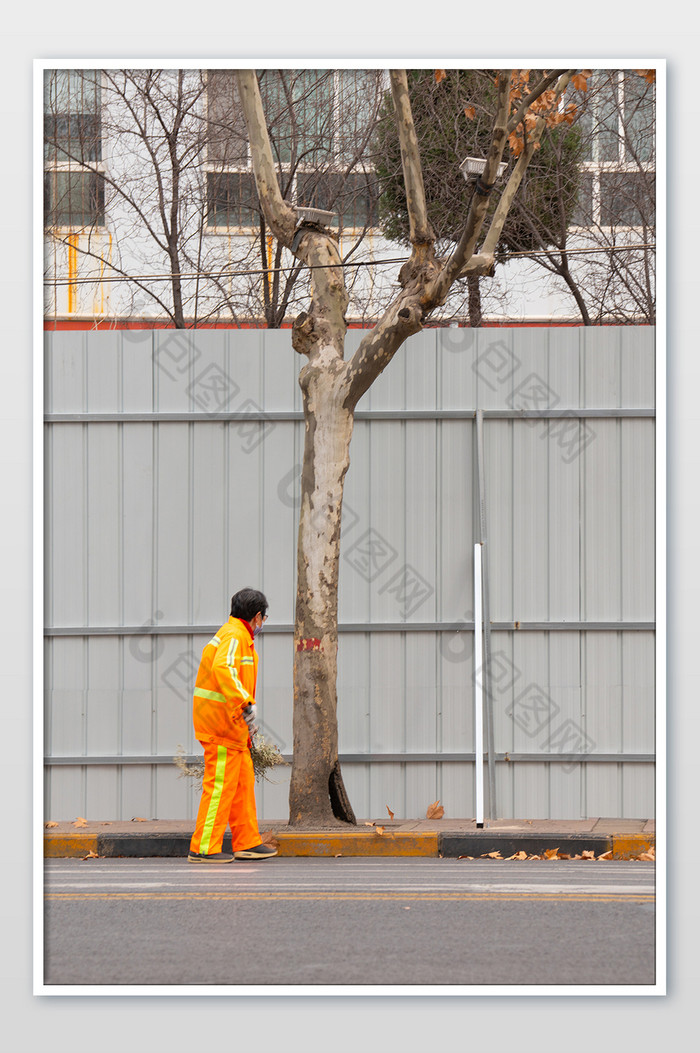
(228, 799)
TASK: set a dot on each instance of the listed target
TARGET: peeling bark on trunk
(317, 795)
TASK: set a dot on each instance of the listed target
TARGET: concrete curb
(81, 843)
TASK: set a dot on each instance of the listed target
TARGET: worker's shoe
(259, 852)
(212, 857)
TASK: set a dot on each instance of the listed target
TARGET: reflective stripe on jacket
(225, 686)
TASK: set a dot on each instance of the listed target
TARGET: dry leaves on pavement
(377, 829)
(435, 811)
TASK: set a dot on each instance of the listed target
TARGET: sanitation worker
(224, 723)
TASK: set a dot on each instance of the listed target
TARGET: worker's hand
(249, 715)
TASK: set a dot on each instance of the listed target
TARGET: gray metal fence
(172, 465)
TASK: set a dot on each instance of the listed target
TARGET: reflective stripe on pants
(228, 799)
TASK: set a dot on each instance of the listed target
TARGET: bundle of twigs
(265, 756)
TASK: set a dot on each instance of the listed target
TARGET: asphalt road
(348, 921)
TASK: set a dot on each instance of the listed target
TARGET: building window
(74, 199)
(627, 199)
(318, 122)
(74, 194)
(618, 128)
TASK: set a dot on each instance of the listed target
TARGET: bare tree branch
(421, 231)
(506, 200)
(279, 215)
(480, 199)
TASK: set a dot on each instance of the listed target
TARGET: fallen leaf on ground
(138, 819)
(379, 829)
(606, 855)
(519, 855)
(492, 855)
(551, 853)
(91, 855)
(369, 824)
(435, 811)
(391, 814)
(648, 857)
(465, 857)
(564, 855)
(80, 821)
(535, 857)
(337, 855)
(587, 854)
(50, 824)
(268, 838)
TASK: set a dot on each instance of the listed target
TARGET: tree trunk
(474, 301)
(317, 795)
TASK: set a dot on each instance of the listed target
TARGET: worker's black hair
(247, 603)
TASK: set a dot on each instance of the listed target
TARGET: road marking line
(340, 887)
(316, 896)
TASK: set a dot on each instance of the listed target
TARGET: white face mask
(259, 629)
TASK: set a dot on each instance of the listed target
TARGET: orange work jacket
(225, 686)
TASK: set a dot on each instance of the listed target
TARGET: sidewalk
(141, 838)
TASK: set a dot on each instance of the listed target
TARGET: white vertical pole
(478, 692)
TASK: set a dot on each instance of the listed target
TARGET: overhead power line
(261, 271)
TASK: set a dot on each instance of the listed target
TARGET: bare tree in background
(319, 123)
(148, 185)
(332, 386)
(125, 145)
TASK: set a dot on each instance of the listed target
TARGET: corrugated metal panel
(153, 523)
